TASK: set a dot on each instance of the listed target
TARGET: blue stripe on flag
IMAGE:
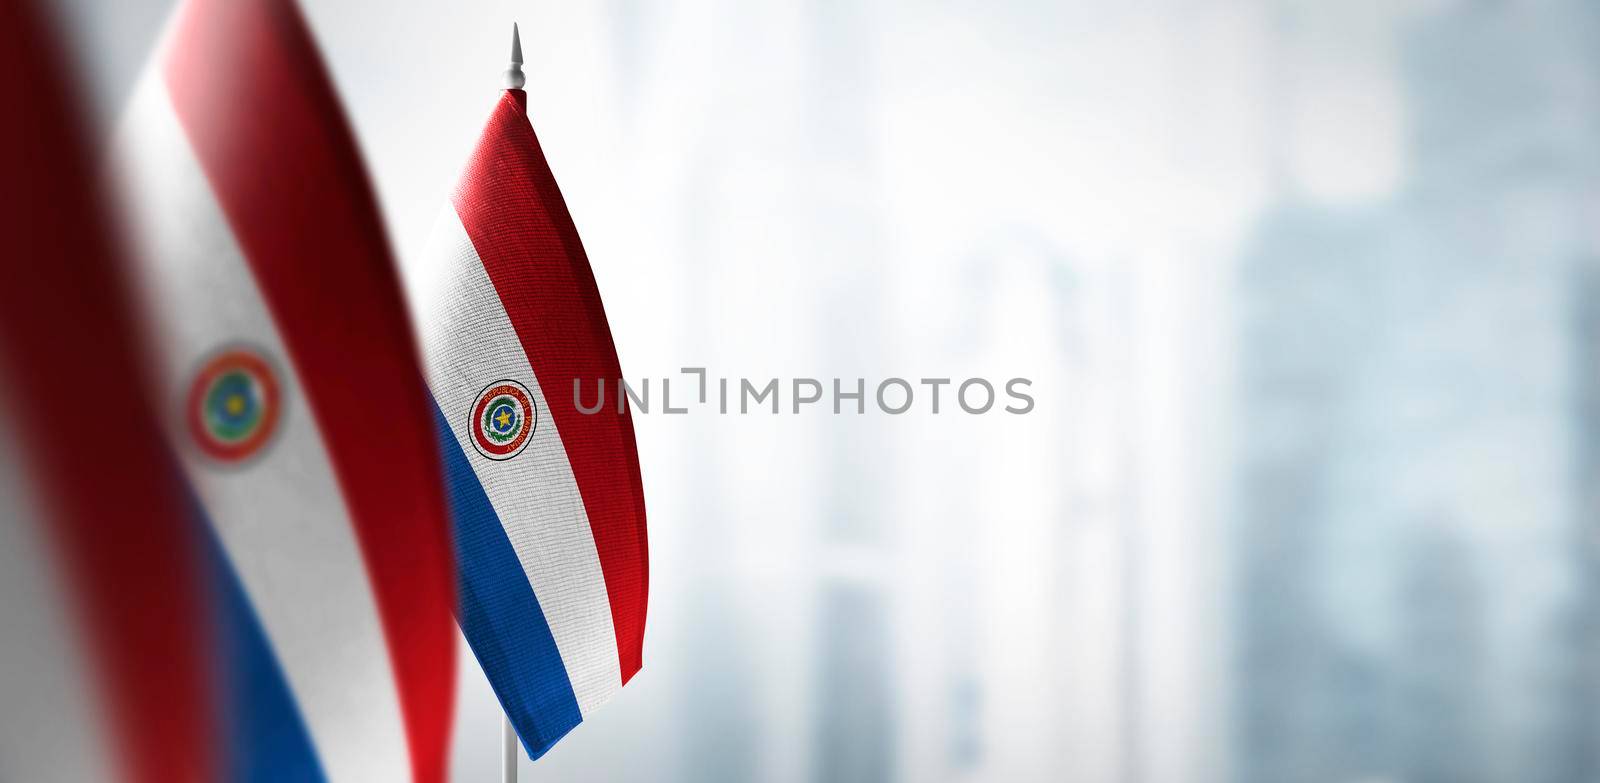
(499, 613)
(267, 740)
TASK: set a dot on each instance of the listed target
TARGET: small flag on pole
(553, 568)
(290, 377)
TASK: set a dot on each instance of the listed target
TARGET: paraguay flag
(288, 373)
(549, 510)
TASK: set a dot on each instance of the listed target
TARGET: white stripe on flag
(281, 518)
(468, 342)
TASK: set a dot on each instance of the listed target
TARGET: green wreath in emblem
(502, 419)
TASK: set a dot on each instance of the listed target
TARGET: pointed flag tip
(514, 78)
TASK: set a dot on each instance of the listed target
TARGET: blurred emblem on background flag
(553, 568)
(234, 405)
(284, 353)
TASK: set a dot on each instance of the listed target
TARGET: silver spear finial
(514, 76)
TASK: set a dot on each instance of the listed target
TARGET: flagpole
(514, 80)
(508, 751)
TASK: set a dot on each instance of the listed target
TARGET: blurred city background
(1309, 292)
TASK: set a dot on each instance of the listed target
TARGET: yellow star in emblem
(235, 404)
(504, 418)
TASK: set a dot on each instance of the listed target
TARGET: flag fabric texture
(289, 374)
(104, 643)
(552, 556)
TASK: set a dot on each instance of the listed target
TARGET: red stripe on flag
(512, 210)
(117, 513)
(262, 116)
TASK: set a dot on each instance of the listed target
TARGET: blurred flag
(289, 372)
(549, 510)
(103, 620)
